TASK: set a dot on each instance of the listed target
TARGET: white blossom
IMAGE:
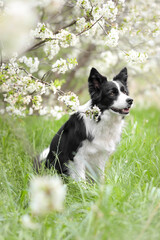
(66, 38)
(62, 65)
(30, 62)
(108, 11)
(28, 222)
(71, 101)
(27, 99)
(136, 57)
(5, 87)
(30, 111)
(56, 112)
(112, 38)
(84, 4)
(93, 113)
(12, 110)
(51, 48)
(37, 100)
(82, 25)
(47, 195)
(41, 32)
(121, 2)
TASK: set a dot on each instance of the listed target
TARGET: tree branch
(41, 43)
(85, 30)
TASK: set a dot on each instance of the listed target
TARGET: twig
(45, 74)
(90, 26)
(23, 69)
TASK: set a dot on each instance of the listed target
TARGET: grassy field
(126, 206)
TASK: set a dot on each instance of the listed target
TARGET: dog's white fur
(93, 155)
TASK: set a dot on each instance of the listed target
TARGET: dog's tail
(40, 158)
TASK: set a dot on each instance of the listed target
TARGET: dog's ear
(122, 76)
(95, 82)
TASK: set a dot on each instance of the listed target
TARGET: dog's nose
(129, 101)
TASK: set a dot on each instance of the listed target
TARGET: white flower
(27, 99)
(66, 38)
(43, 111)
(53, 88)
(51, 48)
(47, 194)
(28, 223)
(5, 87)
(112, 38)
(15, 111)
(71, 100)
(30, 111)
(93, 113)
(84, 4)
(37, 100)
(136, 57)
(122, 2)
(56, 112)
(156, 33)
(60, 66)
(108, 11)
(32, 63)
(41, 32)
(31, 88)
(2, 111)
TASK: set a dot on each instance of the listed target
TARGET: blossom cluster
(136, 57)
(112, 38)
(82, 26)
(47, 195)
(41, 31)
(23, 93)
(93, 113)
(30, 62)
(56, 112)
(51, 48)
(61, 65)
(71, 101)
(108, 10)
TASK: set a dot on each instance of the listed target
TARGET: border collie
(84, 145)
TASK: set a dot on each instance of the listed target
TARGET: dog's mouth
(121, 111)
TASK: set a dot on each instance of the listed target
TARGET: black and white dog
(83, 144)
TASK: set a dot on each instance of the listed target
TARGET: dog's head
(110, 95)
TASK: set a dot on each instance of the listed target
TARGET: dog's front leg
(77, 170)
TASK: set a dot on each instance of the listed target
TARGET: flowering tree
(44, 45)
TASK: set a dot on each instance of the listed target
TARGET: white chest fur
(94, 154)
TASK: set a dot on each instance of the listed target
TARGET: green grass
(126, 206)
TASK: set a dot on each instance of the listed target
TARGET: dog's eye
(113, 92)
(123, 90)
